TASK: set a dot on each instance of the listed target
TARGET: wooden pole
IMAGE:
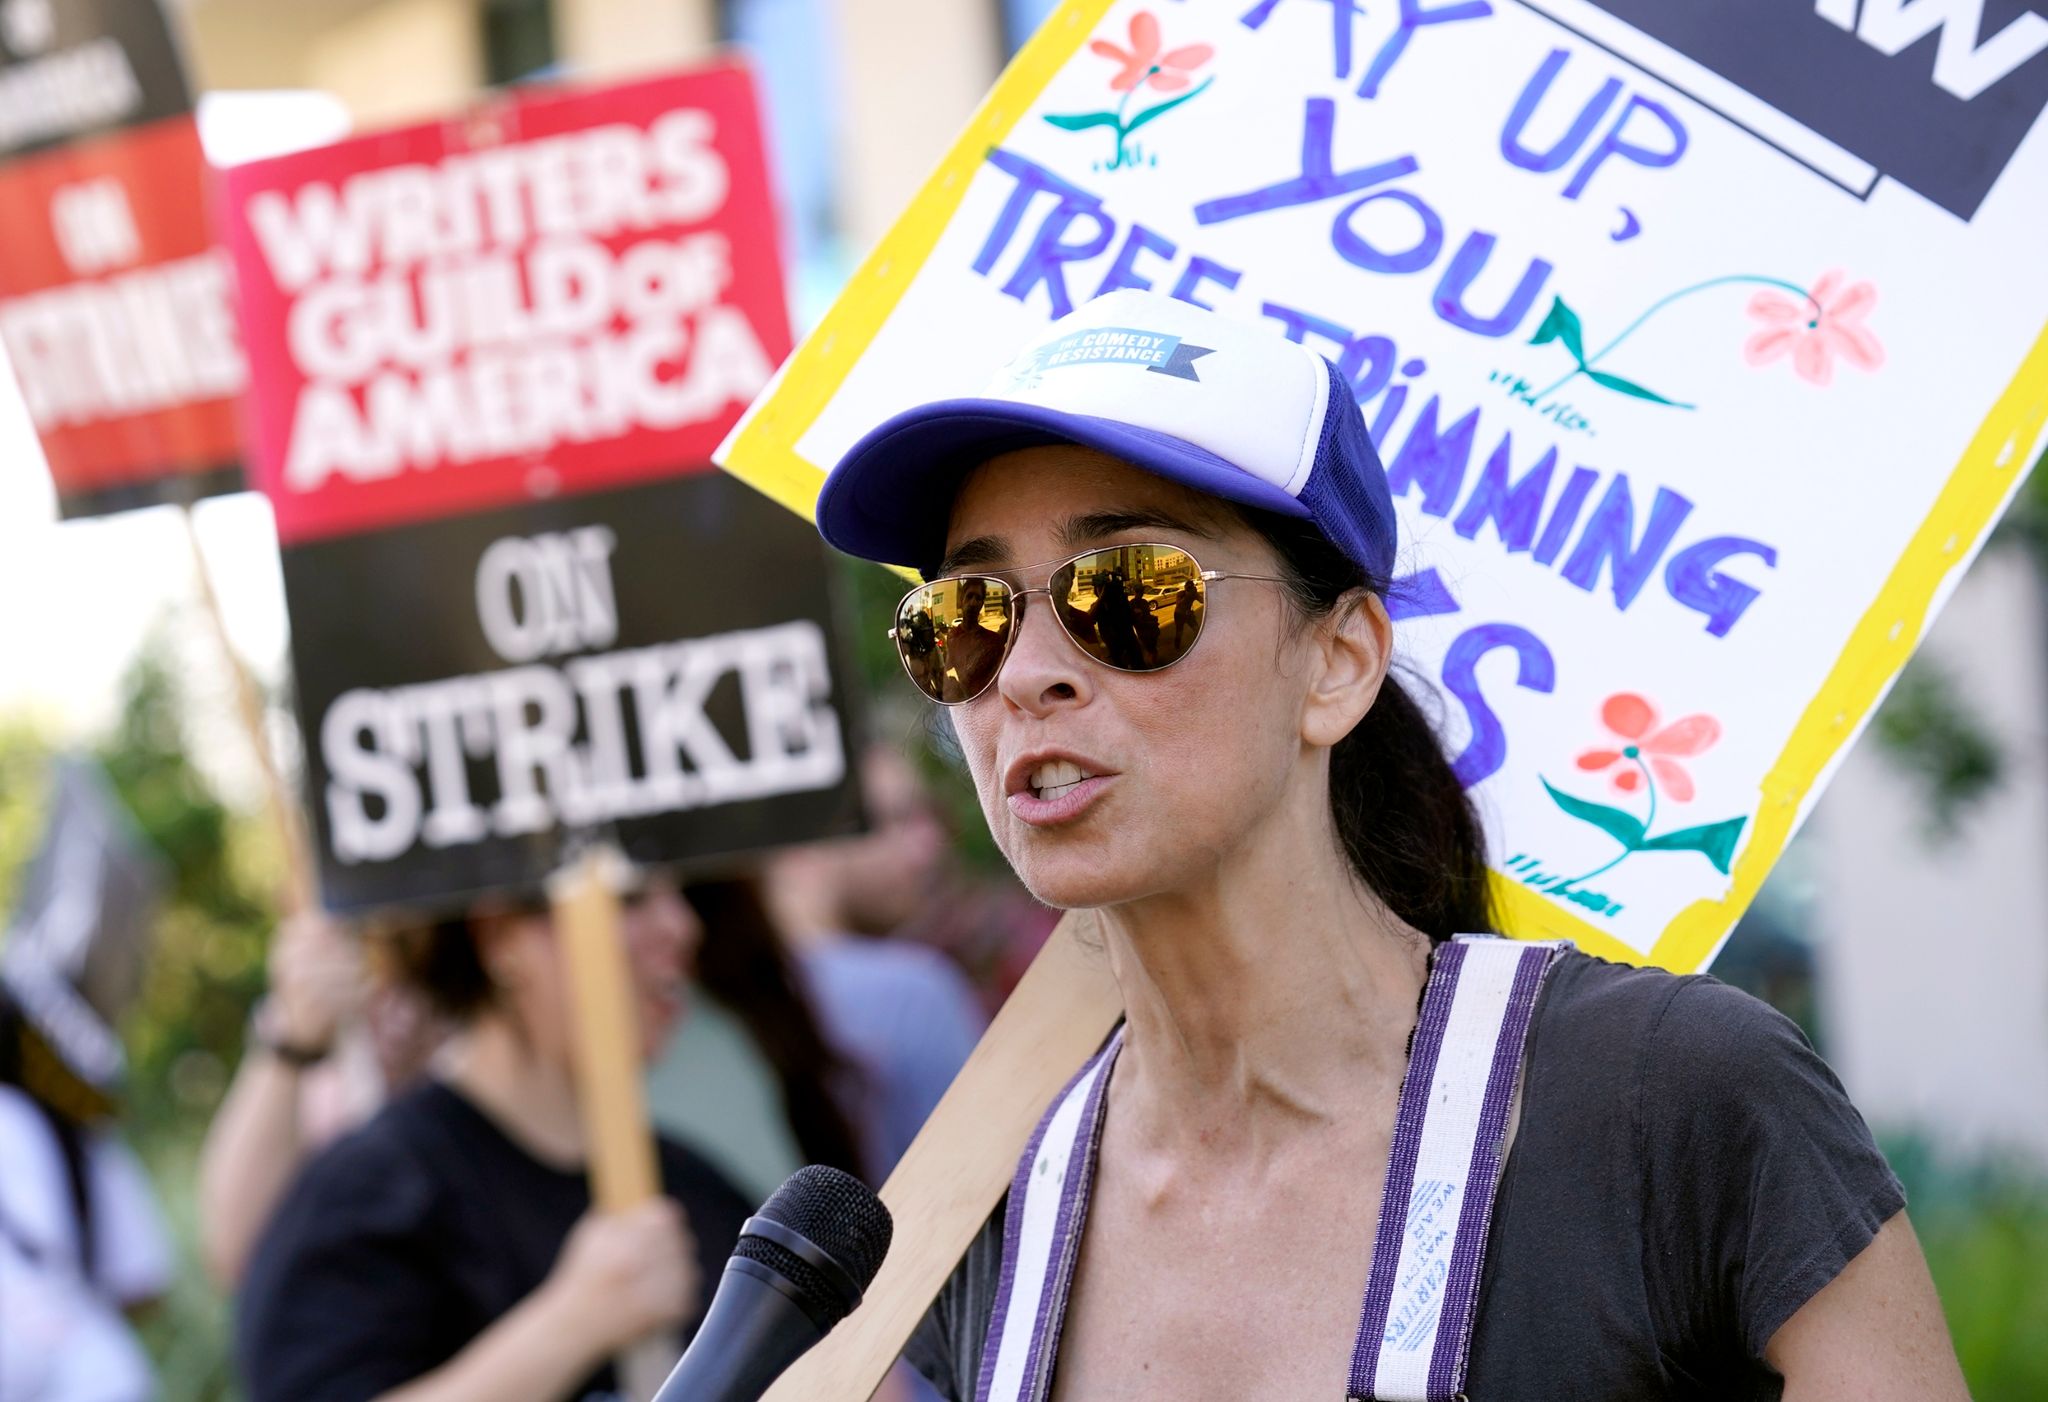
(962, 1162)
(300, 892)
(605, 1043)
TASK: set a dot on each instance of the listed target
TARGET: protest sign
(557, 292)
(489, 359)
(73, 68)
(1702, 344)
(80, 932)
(115, 303)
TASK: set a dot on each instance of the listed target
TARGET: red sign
(552, 294)
(116, 311)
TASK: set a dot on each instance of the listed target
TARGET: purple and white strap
(1450, 1139)
(1042, 1236)
(1450, 1136)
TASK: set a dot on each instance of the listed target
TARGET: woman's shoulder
(386, 1168)
(1659, 1022)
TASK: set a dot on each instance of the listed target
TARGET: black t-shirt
(1688, 1172)
(405, 1240)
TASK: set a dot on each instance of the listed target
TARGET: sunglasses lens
(952, 635)
(1133, 607)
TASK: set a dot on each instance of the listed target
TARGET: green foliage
(24, 777)
(207, 965)
(204, 970)
(1984, 1228)
(1930, 731)
(1925, 727)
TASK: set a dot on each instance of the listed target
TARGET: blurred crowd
(394, 1189)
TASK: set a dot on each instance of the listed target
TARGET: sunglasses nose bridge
(1022, 616)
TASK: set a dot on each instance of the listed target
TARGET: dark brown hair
(440, 959)
(1408, 828)
(742, 964)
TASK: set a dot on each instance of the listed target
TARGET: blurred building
(861, 96)
(1933, 945)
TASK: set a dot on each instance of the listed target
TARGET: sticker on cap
(1110, 345)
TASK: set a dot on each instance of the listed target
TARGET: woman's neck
(1276, 996)
(531, 1097)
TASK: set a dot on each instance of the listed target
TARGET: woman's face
(661, 934)
(1183, 766)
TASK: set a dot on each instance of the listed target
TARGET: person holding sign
(1345, 1144)
(446, 1251)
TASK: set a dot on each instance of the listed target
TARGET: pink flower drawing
(1633, 721)
(1144, 64)
(1814, 333)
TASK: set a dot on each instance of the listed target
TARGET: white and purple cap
(1219, 405)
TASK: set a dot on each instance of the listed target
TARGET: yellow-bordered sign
(1914, 422)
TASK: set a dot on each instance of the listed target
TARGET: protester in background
(446, 1250)
(82, 1245)
(743, 965)
(323, 1047)
(899, 1010)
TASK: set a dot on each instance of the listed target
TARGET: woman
(326, 1043)
(446, 1251)
(1278, 853)
(745, 969)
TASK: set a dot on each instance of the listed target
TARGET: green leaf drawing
(1562, 324)
(1630, 387)
(1625, 828)
(1150, 112)
(1716, 841)
(1081, 121)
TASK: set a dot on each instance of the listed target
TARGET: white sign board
(1703, 344)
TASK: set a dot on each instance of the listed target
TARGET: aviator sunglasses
(1134, 608)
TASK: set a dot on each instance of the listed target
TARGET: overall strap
(1042, 1238)
(1450, 1140)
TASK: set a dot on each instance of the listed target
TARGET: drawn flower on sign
(1142, 65)
(1647, 757)
(1647, 750)
(1813, 334)
(1813, 326)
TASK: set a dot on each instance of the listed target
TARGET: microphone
(800, 1267)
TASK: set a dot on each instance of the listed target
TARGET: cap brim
(891, 497)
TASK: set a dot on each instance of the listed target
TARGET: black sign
(72, 68)
(1937, 94)
(80, 933)
(654, 665)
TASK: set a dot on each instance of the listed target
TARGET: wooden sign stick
(605, 1041)
(962, 1162)
(285, 816)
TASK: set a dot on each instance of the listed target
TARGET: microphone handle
(752, 1333)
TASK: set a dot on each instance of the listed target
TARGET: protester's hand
(317, 981)
(623, 1275)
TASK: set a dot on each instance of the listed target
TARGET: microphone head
(838, 1216)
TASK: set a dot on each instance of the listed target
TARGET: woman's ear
(1356, 643)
